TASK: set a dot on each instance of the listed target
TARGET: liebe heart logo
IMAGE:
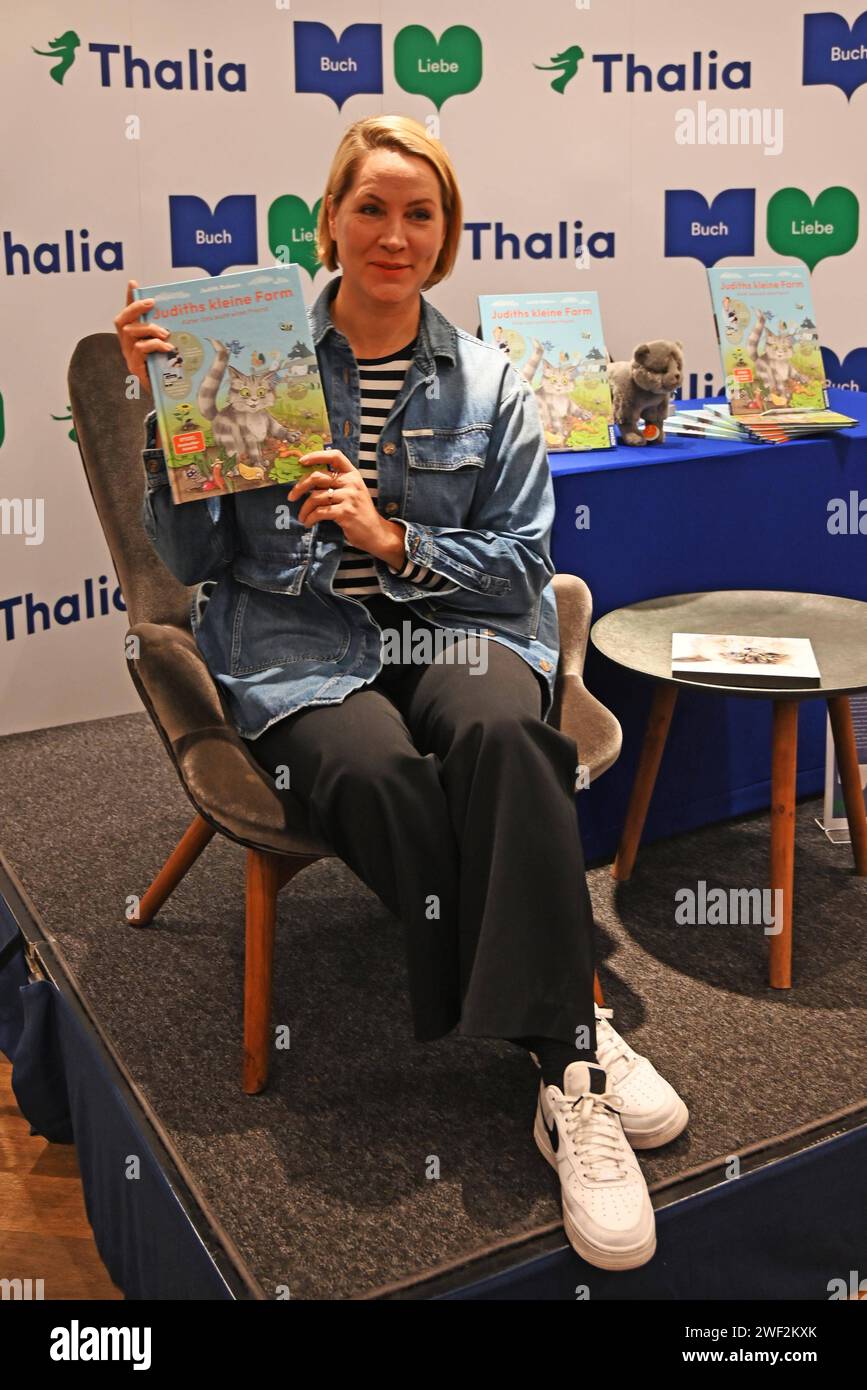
(292, 231)
(811, 231)
(438, 70)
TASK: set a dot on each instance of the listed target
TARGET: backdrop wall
(608, 144)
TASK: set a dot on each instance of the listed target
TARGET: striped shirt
(380, 380)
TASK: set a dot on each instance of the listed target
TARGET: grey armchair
(229, 792)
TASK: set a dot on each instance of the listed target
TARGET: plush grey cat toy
(641, 388)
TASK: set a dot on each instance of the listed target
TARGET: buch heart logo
(710, 230)
(835, 53)
(338, 68)
(851, 373)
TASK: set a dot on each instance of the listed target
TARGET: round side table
(638, 637)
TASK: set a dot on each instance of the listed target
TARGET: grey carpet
(323, 1180)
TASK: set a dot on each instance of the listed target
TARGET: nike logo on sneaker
(553, 1132)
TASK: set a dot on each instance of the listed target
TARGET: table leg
(850, 778)
(658, 722)
(783, 771)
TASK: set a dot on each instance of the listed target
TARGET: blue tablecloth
(689, 515)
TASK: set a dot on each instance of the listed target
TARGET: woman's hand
(138, 339)
(350, 505)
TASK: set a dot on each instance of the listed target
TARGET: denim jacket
(463, 467)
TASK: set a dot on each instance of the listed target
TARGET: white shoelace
(594, 1133)
(611, 1048)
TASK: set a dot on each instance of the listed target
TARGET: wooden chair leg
(263, 875)
(266, 875)
(783, 774)
(658, 723)
(188, 849)
(840, 712)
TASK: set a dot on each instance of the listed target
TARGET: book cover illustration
(555, 341)
(725, 659)
(240, 400)
(768, 340)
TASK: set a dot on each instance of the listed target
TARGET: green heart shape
(292, 231)
(791, 214)
(437, 70)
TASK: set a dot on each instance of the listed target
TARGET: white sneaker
(653, 1113)
(606, 1207)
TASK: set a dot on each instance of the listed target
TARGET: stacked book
(775, 380)
(770, 426)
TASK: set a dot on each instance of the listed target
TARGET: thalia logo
(834, 54)
(725, 227)
(66, 609)
(566, 242)
(701, 72)
(120, 66)
(71, 254)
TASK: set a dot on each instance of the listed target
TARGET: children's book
(772, 426)
(240, 399)
(793, 424)
(706, 424)
(555, 341)
(713, 658)
(768, 340)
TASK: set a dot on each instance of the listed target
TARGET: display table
(638, 638)
(690, 515)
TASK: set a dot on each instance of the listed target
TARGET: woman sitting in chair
(438, 781)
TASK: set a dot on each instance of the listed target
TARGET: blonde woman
(395, 651)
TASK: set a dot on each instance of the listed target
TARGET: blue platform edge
(782, 1231)
(790, 1230)
(65, 1091)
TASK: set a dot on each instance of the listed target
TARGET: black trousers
(445, 791)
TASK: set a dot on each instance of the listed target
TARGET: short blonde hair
(409, 137)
